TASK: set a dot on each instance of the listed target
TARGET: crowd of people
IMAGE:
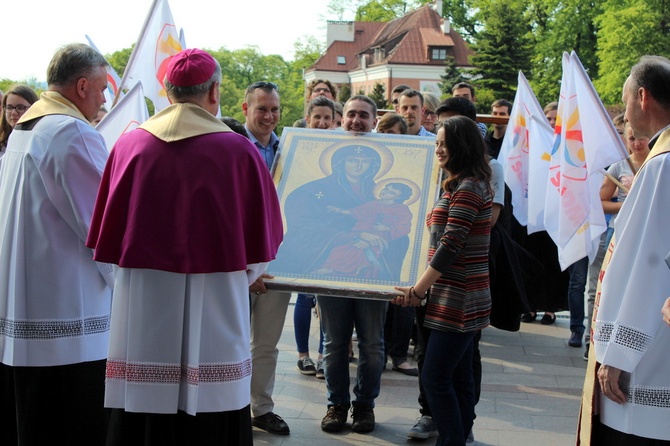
(135, 307)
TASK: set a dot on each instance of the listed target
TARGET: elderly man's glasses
(20, 109)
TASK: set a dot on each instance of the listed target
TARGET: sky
(274, 26)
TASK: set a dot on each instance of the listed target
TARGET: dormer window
(341, 60)
(438, 53)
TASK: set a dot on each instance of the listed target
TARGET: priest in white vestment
(54, 299)
(631, 342)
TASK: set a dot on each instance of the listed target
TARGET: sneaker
(575, 339)
(271, 423)
(306, 366)
(364, 418)
(586, 352)
(320, 374)
(423, 429)
(470, 441)
(335, 419)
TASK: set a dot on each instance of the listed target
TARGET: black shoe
(409, 372)
(271, 423)
(306, 366)
(364, 418)
(586, 352)
(335, 419)
(528, 317)
(575, 339)
(548, 319)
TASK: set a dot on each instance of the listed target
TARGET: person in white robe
(631, 342)
(54, 301)
(188, 211)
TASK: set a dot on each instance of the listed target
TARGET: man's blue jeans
(578, 272)
(339, 315)
(448, 380)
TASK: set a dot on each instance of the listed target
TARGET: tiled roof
(423, 17)
(405, 40)
(365, 32)
(433, 37)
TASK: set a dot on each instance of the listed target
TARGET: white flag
(113, 80)
(158, 42)
(127, 115)
(182, 39)
(525, 156)
(585, 142)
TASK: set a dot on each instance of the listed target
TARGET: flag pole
(133, 55)
(614, 180)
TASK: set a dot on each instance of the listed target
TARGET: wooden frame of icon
(354, 208)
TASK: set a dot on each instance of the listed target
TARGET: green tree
(463, 16)
(344, 94)
(386, 10)
(503, 47)
(485, 97)
(5, 84)
(379, 96)
(627, 30)
(32, 82)
(232, 96)
(291, 89)
(240, 68)
(306, 52)
(452, 76)
(119, 59)
(341, 9)
(559, 26)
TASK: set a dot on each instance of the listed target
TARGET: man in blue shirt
(261, 110)
(410, 107)
(268, 308)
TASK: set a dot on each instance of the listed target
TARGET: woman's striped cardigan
(460, 231)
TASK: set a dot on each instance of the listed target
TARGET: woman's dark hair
(235, 125)
(466, 153)
(26, 93)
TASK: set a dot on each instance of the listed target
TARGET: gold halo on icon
(416, 190)
(384, 153)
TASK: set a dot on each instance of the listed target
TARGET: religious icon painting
(354, 208)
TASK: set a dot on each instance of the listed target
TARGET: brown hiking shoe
(335, 419)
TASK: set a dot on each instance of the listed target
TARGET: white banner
(585, 142)
(525, 155)
(127, 115)
(159, 40)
